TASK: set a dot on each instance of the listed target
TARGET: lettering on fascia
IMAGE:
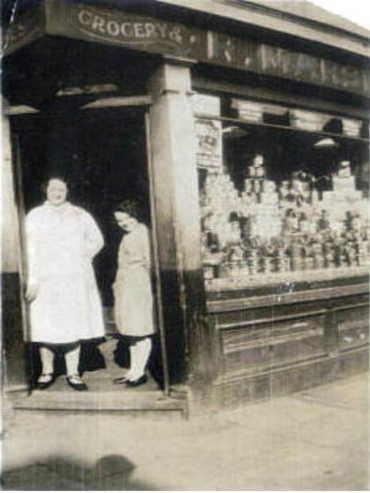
(301, 66)
(271, 59)
(249, 55)
(342, 76)
(221, 48)
(129, 30)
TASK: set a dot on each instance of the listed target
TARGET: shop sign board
(92, 22)
(114, 27)
(280, 62)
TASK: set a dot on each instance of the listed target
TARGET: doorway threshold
(102, 396)
(132, 401)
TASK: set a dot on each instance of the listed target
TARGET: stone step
(150, 402)
(103, 395)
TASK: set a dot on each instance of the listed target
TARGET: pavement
(313, 440)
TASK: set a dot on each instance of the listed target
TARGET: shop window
(276, 205)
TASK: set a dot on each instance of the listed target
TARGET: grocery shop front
(247, 145)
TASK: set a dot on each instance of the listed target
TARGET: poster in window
(208, 143)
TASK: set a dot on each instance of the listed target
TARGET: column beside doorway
(176, 202)
(13, 320)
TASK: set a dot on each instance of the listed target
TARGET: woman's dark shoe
(44, 381)
(137, 382)
(76, 382)
(121, 380)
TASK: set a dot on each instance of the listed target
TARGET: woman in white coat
(65, 307)
(133, 307)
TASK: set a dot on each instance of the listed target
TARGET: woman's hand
(31, 292)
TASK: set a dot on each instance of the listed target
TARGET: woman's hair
(61, 178)
(130, 207)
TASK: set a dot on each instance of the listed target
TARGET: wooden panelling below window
(353, 327)
(250, 350)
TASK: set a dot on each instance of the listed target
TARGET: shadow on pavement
(112, 472)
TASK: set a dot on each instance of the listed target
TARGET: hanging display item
(208, 131)
(208, 134)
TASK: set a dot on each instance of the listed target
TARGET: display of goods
(269, 228)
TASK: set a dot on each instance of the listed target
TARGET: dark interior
(286, 151)
(102, 153)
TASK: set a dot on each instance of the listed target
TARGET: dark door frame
(120, 102)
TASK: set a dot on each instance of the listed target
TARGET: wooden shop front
(249, 152)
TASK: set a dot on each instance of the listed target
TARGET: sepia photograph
(185, 245)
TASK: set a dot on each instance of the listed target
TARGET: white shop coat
(61, 244)
(133, 307)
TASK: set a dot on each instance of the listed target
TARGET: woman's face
(56, 192)
(125, 221)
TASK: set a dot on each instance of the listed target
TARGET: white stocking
(47, 360)
(134, 370)
(72, 360)
(141, 357)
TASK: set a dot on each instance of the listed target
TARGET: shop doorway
(104, 155)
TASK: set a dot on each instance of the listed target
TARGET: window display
(262, 225)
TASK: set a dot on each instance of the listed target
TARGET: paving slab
(314, 440)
